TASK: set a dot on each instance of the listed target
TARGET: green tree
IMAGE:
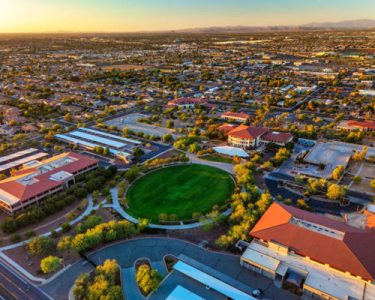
(138, 153)
(167, 138)
(40, 245)
(169, 124)
(65, 244)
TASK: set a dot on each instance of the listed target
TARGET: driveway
(127, 252)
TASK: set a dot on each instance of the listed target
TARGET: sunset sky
(141, 15)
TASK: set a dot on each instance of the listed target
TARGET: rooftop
(32, 181)
(321, 239)
(180, 293)
(321, 277)
(247, 132)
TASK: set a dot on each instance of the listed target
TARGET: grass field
(180, 190)
(217, 158)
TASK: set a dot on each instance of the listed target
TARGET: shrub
(65, 227)
(15, 238)
(90, 222)
(147, 279)
(50, 264)
(40, 245)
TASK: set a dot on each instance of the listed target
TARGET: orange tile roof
(247, 132)
(226, 128)
(363, 124)
(353, 253)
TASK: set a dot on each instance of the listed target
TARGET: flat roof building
(17, 159)
(330, 155)
(91, 138)
(35, 182)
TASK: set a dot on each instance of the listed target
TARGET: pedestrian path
(160, 267)
(117, 207)
(129, 285)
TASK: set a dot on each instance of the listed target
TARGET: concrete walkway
(90, 207)
(117, 207)
(130, 287)
(220, 165)
(160, 267)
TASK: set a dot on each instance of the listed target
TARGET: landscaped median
(179, 193)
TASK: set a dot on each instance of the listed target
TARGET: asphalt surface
(12, 286)
(315, 205)
(127, 252)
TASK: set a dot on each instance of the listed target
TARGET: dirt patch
(32, 263)
(170, 154)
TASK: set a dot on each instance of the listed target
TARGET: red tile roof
(247, 132)
(44, 183)
(277, 137)
(235, 115)
(353, 252)
(226, 128)
(363, 124)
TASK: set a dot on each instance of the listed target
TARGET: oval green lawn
(180, 190)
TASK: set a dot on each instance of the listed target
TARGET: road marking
(15, 287)
(9, 292)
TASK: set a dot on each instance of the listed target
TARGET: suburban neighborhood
(205, 163)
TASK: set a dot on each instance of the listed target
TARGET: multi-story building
(312, 254)
(235, 116)
(40, 179)
(250, 137)
(367, 125)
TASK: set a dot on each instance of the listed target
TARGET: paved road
(127, 252)
(271, 182)
(12, 286)
(59, 288)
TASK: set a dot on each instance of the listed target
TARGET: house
(367, 92)
(250, 137)
(40, 179)
(235, 116)
(367, 125)
(320, 257)
(187, 102)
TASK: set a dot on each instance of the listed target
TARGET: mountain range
(348, 24)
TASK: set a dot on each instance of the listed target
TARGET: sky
(154, 15)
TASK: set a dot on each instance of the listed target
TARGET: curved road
(127, 252)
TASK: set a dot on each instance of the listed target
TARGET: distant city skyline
(157, 15)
